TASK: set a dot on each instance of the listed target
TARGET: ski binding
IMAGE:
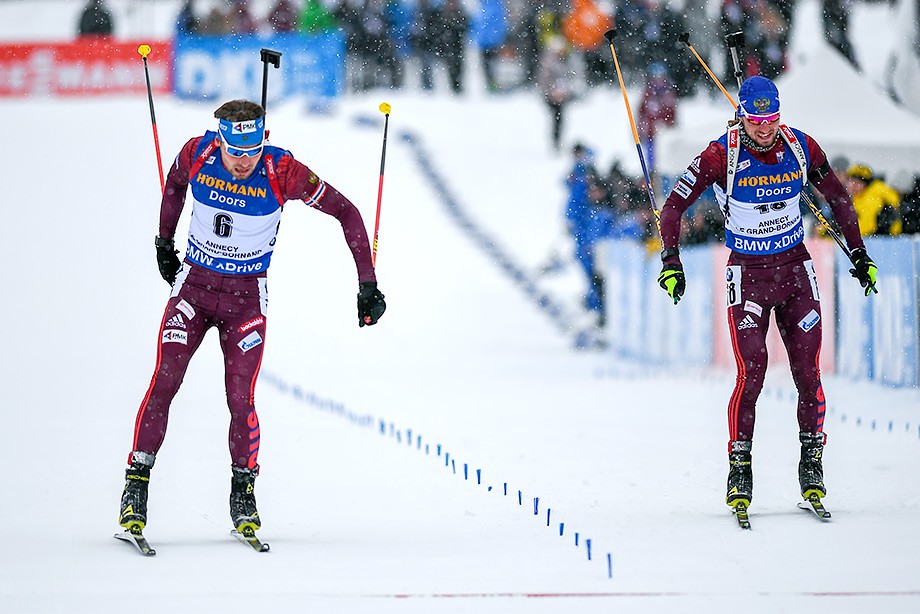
(813, 504)
(248, 536)
(136, 537)
(741, 515)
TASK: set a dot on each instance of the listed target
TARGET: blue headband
(247, 133)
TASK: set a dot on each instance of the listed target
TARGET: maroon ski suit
(234, 303)
(760, 283)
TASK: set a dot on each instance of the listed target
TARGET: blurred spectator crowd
(511, 36)
(557, 49)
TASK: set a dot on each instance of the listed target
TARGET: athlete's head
(242, 136)
(758, 109)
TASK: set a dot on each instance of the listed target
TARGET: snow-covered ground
(388, 451)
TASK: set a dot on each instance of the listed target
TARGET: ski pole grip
(735, 39)
(270, 56)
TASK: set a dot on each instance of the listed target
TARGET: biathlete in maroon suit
(759, 169)
(238, 185)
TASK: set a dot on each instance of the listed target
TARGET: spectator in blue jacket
(588, 222)
(490, 28)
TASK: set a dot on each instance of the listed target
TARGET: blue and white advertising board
(229, 67)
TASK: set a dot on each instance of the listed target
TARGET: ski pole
(144, 50)
(385, 109)
(268, 56)
(609, 35)
(735, 41)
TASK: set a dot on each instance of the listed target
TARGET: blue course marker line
(384, 427)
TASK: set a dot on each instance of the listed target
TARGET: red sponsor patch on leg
(252, 324)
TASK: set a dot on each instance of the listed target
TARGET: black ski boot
(598, 282)
(811, 471)
(740, 476)
(133, 516)
(243, 511)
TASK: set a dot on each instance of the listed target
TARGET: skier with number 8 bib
(238, 185)
(759, 169)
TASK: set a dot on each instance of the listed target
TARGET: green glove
(864, 270)
(672, 280)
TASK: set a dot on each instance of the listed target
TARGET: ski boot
(740, 477)
(597, 282)
(133, 516)
(811, 471)
(243, 511)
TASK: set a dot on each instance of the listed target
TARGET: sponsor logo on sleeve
(689, 177)
(252, 324)
(175, 336)
(250, 341)
(682, 189)
(808, 322)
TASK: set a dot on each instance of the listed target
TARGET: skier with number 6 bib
(759, 169)
(238, 185)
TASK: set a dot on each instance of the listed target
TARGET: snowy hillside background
(388, 451)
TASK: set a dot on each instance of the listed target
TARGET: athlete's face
(762, 131)
(240, 167)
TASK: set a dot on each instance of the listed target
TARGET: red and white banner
(84, 67)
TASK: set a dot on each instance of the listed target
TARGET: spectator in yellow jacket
(877, 204)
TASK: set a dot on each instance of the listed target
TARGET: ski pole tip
(684, 38)
(385, 108)
(144, 50)
(609, 35)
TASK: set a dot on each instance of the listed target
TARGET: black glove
(167, 259)
(672, 278)
(864, 270)
(370, 303)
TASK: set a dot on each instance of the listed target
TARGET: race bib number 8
(733, 285)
